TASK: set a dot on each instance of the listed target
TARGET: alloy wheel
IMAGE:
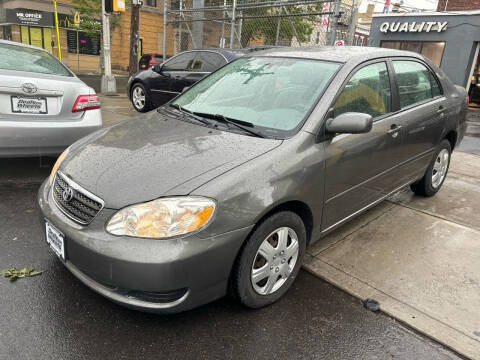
(138, 98)
(440, 168)
(274, 261)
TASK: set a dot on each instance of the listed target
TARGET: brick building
(458, 5)
(32, 22)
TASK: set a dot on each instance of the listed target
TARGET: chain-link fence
(257, 23)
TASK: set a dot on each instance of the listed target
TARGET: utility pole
(353, 23)
(232, 30)
(109, 85)
(134, 37)
(336, 16)
(165, 14)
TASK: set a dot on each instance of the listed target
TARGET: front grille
(81, 206)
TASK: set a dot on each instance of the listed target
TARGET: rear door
(171, 81)
(423, 110)
(360, 168)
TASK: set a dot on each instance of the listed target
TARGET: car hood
(155, 155)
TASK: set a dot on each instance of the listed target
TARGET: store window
(86, 44)
(429, 49)
(6, 33)
(37, 36)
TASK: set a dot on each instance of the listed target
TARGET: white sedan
(44, 107)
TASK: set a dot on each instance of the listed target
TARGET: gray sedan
(224, 187)
(44, 107)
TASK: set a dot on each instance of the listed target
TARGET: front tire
(270, 260)
(140, 98)
(436, 172)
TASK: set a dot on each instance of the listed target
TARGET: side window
(413, 81)
(207, 61)
(368, 91)
(181, 62)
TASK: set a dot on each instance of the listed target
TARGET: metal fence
(256, 23)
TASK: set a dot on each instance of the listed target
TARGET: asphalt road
(54, 316)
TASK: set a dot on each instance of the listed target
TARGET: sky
(407, 4)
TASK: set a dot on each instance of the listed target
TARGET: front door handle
(394, 130)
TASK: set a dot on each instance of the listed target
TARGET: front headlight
(59, 161)
(163, 218)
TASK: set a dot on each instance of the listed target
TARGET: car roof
(342, 54)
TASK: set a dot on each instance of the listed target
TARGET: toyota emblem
(67, 194)
(29, 88)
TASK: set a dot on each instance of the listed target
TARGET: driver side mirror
(159, 70)
(350, 123)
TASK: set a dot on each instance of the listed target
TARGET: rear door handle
(440, 110)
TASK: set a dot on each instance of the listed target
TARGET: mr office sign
(29, 17)
(413, 27)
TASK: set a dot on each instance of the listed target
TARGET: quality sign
(413, 27)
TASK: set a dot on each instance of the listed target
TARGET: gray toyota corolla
(222, 189)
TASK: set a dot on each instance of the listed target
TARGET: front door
(171, 81)
(360, 168)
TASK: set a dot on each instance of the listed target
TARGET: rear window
(19, 58)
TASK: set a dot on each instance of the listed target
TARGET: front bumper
(162, 276)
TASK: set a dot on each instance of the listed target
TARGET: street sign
(340, 43)
(76, 19)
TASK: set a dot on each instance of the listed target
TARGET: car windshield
(19, 58)
(272, 93)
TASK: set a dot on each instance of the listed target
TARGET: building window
(6, 33)
(152, 3)
(86, 45)
(432, 50)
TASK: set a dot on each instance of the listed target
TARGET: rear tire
(269, 261)
(436, 172)
(140, 99)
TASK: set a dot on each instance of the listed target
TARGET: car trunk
(55, 96)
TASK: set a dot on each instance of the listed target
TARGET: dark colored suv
(154, 87)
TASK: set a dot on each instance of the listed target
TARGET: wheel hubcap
(138, 98)
(440, 168)
(274, 261)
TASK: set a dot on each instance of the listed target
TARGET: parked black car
(154, 87)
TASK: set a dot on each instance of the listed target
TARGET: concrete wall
(460, 37)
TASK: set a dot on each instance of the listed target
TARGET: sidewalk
(419, 257)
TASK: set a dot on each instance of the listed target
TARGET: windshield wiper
(244, 125)
(183, 110)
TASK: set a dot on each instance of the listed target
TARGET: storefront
(37, 28)
(450, 40)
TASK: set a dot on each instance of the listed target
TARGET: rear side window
(19, 58)
(413, 81)
(368, 91)
(180, 62)
(207, 61)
